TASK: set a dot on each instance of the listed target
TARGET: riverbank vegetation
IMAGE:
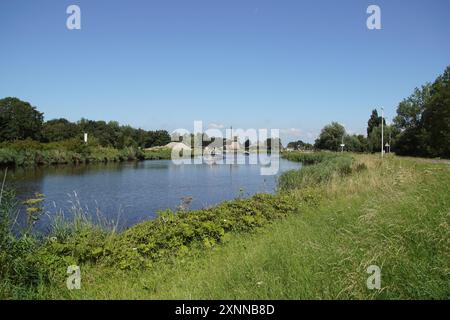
(313, 239)
(26, 139)
(74, 151)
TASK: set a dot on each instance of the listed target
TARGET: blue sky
(293, 65)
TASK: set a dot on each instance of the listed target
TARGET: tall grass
(17, 272)
(308, 157)
(29, 260)
(326, 167)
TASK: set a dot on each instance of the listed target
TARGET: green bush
(173, 233)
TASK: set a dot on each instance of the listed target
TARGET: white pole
(382, 133)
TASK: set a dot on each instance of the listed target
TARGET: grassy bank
(32, 153)
(310, 242)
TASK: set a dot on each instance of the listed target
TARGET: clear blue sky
(247, 63)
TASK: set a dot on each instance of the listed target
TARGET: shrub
(172, 233)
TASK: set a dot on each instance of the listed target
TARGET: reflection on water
(135, 191)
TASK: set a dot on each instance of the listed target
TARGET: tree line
(420, 128)
(19, 120)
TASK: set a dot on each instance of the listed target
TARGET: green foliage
(327, 166)
(27, 141)
(423, 120)
(300, 145)
(73, 151)
(60, 129)
(330, 137)
(19, 120)
(158, 154)
(321, 253)
(333, 135)
(33, 210)
(175, 232)
(18, 272)
(374, 139)
(436, 118)
(374, 121)
(308, 157)
(355, 143)
(111, 134)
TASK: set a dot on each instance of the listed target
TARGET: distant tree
(108, 134)
(330, 137)
(157, 138)
(409, 111)
(363, 143)
(59, 129)
(374, 121)
(355, 143)
(374, 140)
(19, 120)
(300, 145)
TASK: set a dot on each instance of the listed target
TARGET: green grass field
(395, 214)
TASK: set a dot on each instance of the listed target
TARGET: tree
(355, 143)
(19, 120)
(374, 140)
(436, 117)
(330, 137)
(409, 111)
(159, 138)
(59, 129)
(374, 121)
(300, 145)
(423, 120)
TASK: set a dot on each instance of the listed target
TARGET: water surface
(131, 192)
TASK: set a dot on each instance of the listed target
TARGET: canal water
(130, 192)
